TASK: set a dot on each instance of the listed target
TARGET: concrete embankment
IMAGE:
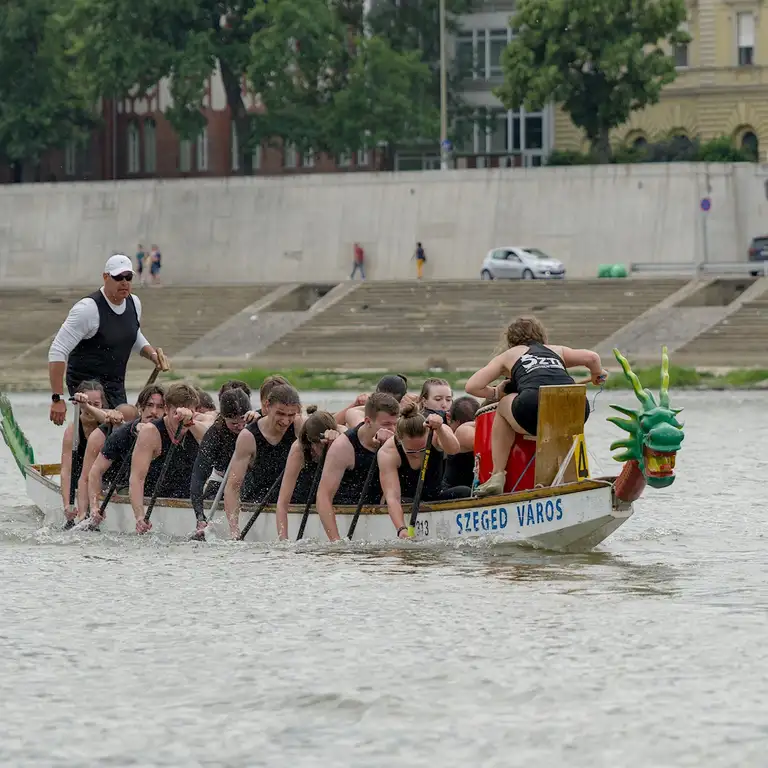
(302, 228)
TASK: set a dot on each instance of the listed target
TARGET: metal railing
(754, 268)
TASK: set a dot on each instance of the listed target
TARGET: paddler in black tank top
(529, 362)
(87, 424)
(154, 442)
(400, 461)
(460, 468)
(109, 461)
(351, 456)
(261, 452)
(320, 429)
(110, 420)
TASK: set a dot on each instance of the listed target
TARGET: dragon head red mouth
(659, 467)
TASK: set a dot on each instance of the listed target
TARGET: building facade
(721, 87)
(136, 141)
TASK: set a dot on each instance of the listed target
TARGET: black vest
(409, 477)
(179, 475)
(351, 485)
(270, 462)
(459, 470)
(105, 356)
(539, 366)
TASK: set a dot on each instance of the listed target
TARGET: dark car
(758, 251)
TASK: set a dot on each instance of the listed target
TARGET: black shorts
(525, 410)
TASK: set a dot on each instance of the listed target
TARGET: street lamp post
(443, 93)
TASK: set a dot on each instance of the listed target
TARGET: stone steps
(406, 324)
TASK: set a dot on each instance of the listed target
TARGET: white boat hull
(569, 518)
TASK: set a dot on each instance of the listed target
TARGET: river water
(650, 651)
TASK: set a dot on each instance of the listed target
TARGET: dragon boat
(549, 500)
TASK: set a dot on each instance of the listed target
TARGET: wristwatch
(56, 398)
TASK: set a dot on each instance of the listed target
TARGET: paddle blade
(15, 439)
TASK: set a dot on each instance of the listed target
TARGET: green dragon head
(655, 435)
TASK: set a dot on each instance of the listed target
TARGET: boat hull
(570, 518)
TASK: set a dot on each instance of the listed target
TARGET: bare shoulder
(388, 456)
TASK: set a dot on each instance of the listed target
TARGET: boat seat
(561, 417)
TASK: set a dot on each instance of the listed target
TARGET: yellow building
(721, 86)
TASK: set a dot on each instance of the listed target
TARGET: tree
(414, 27)
(600, 59)
(42, 104)
(128, 46)
(327, 88)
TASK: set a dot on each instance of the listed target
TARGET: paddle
(163, 472)
(262, 504)
(366, 486)
(420, 486)
(75, 468)
(200, 534)
(312, 493)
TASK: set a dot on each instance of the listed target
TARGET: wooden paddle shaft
(363, 494)
(262, 504)
(420, 484)
(312, 493)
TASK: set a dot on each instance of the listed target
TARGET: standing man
(358, 262)
(97, 338)
(421, 258)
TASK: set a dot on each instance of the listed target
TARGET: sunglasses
(125, 276)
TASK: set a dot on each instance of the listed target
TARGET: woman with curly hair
(528, 363)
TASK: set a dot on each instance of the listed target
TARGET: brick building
(135, 141)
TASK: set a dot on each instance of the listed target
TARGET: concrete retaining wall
(290, 229)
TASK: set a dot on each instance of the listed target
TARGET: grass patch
(650, 377)
(365, 381)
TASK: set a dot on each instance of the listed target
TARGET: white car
(515, 263)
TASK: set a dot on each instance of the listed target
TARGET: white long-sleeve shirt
(83, 322)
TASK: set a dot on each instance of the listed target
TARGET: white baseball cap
(118, 264)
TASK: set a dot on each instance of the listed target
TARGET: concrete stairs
(452, 324)
(172, 317)
(739, 338)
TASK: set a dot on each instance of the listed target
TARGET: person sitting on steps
(529, 363)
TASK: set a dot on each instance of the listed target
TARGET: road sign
(447, 145)
(706, 204)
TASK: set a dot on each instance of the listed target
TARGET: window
(185, 156)
(750, 144)
(640, 142)
(308, 159)
(202, 149)
(235, 145)
(534, 132)
(344, 160)
(745, 38)
(256, 157)
(681, 51)
(70, 159)
(134, 144)
(480, 64)
(497, 132)
(150, 146)
(497, 44)
(290, 156)
(464, 54)
(362, 157)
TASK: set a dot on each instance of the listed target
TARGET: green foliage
(43, 105)
(306, 59)
(326, 89)
(414, 28)
(667, 150)
(600, 59)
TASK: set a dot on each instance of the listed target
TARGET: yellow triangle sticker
(580, 457)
